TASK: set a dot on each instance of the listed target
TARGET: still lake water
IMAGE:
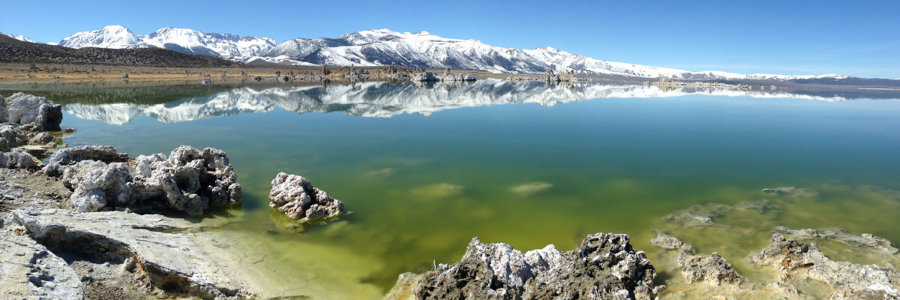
(425, 169)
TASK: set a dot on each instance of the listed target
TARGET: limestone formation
(603, 266)
(24, 109)
(29, 271)
(297, 198)
(19, 160)
(712, 269)
(797, 261)
(188, 181)
(178, 264)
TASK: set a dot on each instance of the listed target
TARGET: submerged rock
(712, 269)
(796, 261)
(178, 264)
(603, 266)
(297, 198)
(24, 109)
(868, 240)
(188, 181)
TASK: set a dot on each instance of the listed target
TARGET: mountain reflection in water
(383, 99)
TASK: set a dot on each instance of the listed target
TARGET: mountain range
(384, 47)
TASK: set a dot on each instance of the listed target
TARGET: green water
(420, 187)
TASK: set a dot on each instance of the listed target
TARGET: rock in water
(712, 269)
(797, 261)
(297, 198)
(24, 109)
(604, 266)
(188, 181)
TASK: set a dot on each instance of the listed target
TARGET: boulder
(712, 269)
(70, 156)
(797, 261)
(19, 160)
(24, 109)
(11, 136)
(603, 266)
(178, 259)
(297, 198)
(188, 181)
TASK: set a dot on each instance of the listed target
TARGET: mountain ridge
(382, 47)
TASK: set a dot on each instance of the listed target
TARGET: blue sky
(856, 38)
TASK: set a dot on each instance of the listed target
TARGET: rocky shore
(98, 224)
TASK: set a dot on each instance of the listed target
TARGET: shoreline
(705, 218)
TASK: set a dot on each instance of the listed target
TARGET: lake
(424, 169)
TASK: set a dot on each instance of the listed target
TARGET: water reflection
(382, 99)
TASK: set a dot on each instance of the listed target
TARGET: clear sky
(858, 38)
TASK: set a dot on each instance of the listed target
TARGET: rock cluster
(25, 109)
(603, 266)
(188, 181)
(796, 261)
(297, 198)
(712, 269)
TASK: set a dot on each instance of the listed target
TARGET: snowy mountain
(381, 99)
(18, 37)
(383, 47)
(223, 45)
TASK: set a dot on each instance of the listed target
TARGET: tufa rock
(188, 181)
(797, 261)
(19, 160)
(24, 109)
(603, 266)
(297, 198)
(712, 269)
(29, 271)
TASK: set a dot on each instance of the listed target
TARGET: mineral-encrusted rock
(19, 160)
(297, 198)
(41, 138)
(797, 261)
(176, 261)
(11, 136)
(24, 109)
(712, 269)
(868, 240)
(70, 156)
(29, 271)
(603, 266)
(188, 181)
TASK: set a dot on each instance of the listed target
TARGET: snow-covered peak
(113, 36)
(229, 46)
(19, 37)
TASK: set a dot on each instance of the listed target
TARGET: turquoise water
(424, 170)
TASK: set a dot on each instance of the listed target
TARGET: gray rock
(70, 156)
(868, 240)
(19, 160)
(177, 262)
(189, 181)
(11, 136)
(24, 109)
(798, 261)
(603, 266)
(712, 269)
(41, 138)
(29, 271)
(297, 198)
